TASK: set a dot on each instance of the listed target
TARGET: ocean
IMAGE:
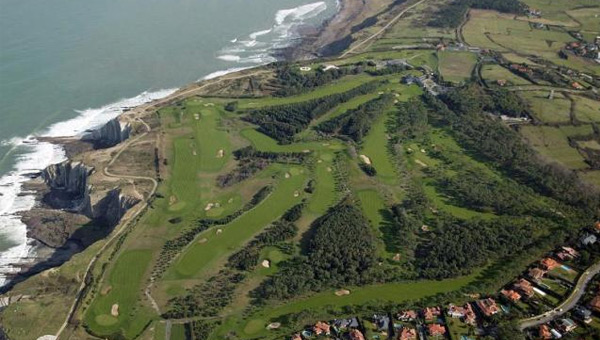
(67, 66)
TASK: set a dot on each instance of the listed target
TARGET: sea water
(67, 66)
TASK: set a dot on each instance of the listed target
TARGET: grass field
(393, 292)
(456, 67)
(325, 193)
(493, 73)
(556, 110)
(375, 146)
(373, 207)
(552, 143)
(200, 257)
(586, 109)
(122, 285)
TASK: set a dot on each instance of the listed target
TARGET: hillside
(435, 161)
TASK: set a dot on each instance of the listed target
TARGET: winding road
(569, 303)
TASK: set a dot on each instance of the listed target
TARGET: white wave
(255, 35)
(34, 156)
(300, 13)
(224, 72)
(229, 57)
(233, 40)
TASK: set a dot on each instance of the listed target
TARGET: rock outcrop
(110, 134)
(112, 207)
(68, 186)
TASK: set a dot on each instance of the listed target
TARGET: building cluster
(584, 49)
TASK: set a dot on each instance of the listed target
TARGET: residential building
(536, 273)
(588, 239)
(430, 313)
(488, 306)
(470, 317)
(355, 334)
(407, 315)
(436, 329)
(407, 334)
(511, 295)
(549, 263)
(296, 337)
(544, 332)
(524, 288)
(567, 325)
(455, 311)
(382, 322)
(583, 314)
(595, 303)
(321, 328)
(345, 323)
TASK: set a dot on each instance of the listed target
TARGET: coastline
(61, 141)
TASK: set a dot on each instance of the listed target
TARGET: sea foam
(33, 156)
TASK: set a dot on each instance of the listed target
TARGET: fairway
(375, 146)
(325, 193)
(125, 281)
(199, 257)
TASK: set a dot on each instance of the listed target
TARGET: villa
(321, 328)
(430, 313)
(407, 334)
(488, 306)
(355, 334)
(511, 295)
(524, 287)
(407, 315)
(436, 329)
(549, 263)
(536, 273)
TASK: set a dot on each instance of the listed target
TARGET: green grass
(375, 146)
(548, 111)
(373, 207)
(457, 67)
(492, 73)
(587, 110)
(263, 142)
(125, 281)
(342, 85)
(392, 292)
(325, 194)
(202, 256)
(552, 143)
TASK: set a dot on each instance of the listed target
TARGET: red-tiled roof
(511, 295)
(321, 328)
(549, 263)
(355, 334)
(407, 334)
(436, 329)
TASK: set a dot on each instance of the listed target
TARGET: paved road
(569, 303)
(381, 30)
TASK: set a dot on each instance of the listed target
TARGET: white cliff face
(110, 134)
(68, 177)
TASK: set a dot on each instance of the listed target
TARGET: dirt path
(388, 25)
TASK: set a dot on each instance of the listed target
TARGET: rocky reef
(108, 135)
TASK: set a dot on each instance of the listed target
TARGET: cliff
(112, 207)
(108, 135)
(68, 186)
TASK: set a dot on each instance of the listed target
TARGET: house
(355, 334)
(296, 337)
(536, 273)
(595, 303)
(524, 287)
(470, 317)
(567, 253)
(577, 86)
(583, 314)
(511, 295)
(488, 306)
(544, 332)
(549, 263)
(345, 323)
(567, 325)
(455, 311)
(597, 226)
(382, 322)
(436, 329)
(407, 334)
(587, 239)
(430, 313)
(321, 328)
(407, 315)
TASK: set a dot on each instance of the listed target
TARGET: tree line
(452, 14)
(356, 123)
(291, 81)
(282, 122)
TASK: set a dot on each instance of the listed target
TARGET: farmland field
(457, 67)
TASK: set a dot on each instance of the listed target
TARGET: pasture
(456, 67)
(556, 110)
(552, 143)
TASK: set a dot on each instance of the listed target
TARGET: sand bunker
(203, 240)
(274, 325)
(420, 163)
(114, 310)
(287, 175)
(342, 292)
(172, 200)
(220, 153)
(396, 257)
(365, 159)
(106, 290)
(209, 206)
(296, 193)
(219, 231)
(266, 263)
(196, 116)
